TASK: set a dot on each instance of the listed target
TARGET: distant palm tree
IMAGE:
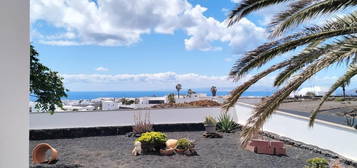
(178, 88)
(190, 92)
(321, 46)
(343, 86)
(213, 90)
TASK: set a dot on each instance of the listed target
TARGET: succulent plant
(209, 120)
(152, 141)
(184, 144)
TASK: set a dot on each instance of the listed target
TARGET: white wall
(109, 105)
(14, 77)
(339, 139)
(119, 118)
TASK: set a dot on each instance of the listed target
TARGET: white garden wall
(337, 138)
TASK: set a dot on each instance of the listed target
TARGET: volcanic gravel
(115, 152)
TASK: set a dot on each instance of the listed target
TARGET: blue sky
(146, 45)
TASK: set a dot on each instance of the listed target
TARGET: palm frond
(248, 6)
(256, 58)
(347, 76)
(349, 49)
(264, 110)
(298, 13)
(293, 8)
(299, 59)
(237, 92)
(310, 54)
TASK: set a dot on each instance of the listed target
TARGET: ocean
(72, 95)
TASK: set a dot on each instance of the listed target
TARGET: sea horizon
(85, 95)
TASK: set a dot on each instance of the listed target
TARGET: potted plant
(182, 145)
(210, 124)
(152, 141)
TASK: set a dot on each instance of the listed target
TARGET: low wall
(119, 118)
(337, 138)
(106, 131)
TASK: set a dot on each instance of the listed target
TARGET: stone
(171, 143)
(137, 148)
(212, 135)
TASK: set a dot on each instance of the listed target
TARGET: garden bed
(115, 151)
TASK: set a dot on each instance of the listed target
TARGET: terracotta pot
(39, 153)
(167, 152)
(180, 151)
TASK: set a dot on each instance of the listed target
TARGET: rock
(167, 152)
(132, 134)
(212, 135)
(190, 152)
(137, 148)
(171, 143)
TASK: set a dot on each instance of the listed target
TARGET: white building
(153, 100)
(110, 105)
(193, 97)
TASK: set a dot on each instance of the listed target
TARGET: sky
(138, 45)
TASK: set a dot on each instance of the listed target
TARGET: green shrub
(339, 99)
(184, 143)
(152, 141)
(317, 163)
(310, 94)
(209, 120)
(171, 98)
(226, 123)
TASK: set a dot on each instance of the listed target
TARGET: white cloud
(154, 81)
(236, 1)
(102, 69)
(317, 90)
(122, 22)
(241, 36)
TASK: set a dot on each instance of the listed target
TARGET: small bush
(317, 163)
(226, 123)
(310, 94)
(209, 120)
(339, 99)
(171, 98)
(152, 141)
(184, 144)
(141, 125)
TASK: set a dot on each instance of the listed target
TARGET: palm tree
(343, 86)
(321, 46)
(213, 90)
(178, 88)
(190, 92)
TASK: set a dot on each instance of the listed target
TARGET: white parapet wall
(120, 117)
(337, 138)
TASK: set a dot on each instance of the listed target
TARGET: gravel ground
(115, 152)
